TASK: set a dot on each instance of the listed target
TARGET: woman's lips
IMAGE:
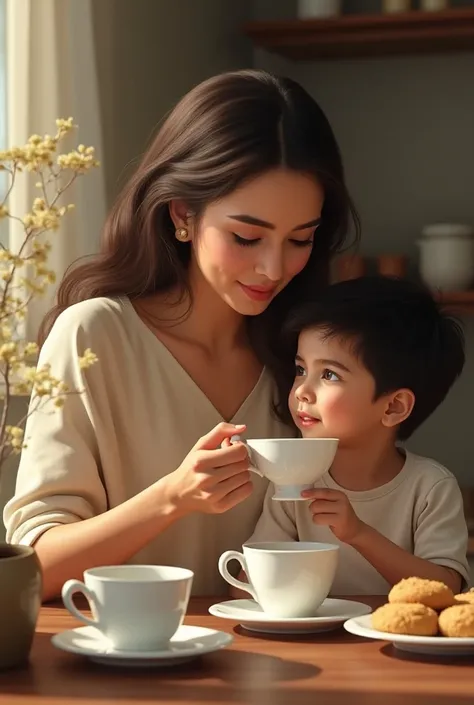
(258, 293)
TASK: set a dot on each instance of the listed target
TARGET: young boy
(375, 357)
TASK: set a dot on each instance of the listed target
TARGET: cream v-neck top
(138, 417)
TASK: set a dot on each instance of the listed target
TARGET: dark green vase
(20, 602)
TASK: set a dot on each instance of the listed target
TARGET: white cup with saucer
(289, 579)
(134, 607)
(291, 464)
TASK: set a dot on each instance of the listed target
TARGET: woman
(231, 217)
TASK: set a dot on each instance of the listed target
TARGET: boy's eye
(330, 376)
(299, 371)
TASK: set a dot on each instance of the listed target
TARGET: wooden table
(330, 669)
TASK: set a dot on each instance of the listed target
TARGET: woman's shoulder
(102, 313)
(86, 313)
(98, 319)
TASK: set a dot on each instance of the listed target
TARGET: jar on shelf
(350, 266)
(434, 5)
(447, 256)
(392, 265)
(314, 9)
(390, 6)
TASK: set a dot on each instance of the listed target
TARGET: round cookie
(465, 597)
(431, 593)
(457, 621)
(413, 619)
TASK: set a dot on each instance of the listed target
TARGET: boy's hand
(332, 508)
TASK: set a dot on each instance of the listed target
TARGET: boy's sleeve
(277, 521)
(441, 533)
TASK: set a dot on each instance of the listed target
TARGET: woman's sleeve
(58, 479)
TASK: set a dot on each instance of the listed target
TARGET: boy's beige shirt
(139, 416)
(420, 510)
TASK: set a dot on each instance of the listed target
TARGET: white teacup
(287, 579)
(292, 464)
(135, 607)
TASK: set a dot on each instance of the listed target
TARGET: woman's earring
(182, 234)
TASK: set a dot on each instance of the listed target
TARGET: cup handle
(69, 588)
(252, 466)
(223, 570)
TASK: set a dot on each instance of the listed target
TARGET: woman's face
(250, 244)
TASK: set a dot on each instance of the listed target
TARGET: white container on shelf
(447, 256)
(313, 9)
(449, 230)
(434, 5)
(390, 6)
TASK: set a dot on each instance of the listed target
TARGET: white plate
(331, 615)
(430, 645)
(188, 643)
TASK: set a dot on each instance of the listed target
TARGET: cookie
(413, 619)
(465, 597)
(457, 621)
(431, 593)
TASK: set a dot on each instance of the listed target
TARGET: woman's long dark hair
(224, 132)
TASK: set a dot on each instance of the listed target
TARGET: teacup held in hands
(291, 464)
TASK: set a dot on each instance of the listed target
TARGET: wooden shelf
(350, 36)
(458, 301)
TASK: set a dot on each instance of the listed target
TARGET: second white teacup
(292, 464)
(287, 578)
(135, 607)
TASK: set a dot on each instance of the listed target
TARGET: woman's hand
(214, 476)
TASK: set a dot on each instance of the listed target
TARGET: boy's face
(333, 394)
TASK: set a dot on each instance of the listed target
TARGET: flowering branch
(25, 275)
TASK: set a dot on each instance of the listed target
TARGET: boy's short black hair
(402, 336)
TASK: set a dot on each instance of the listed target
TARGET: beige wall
(406, 129)
(151, 52)
(18, 409)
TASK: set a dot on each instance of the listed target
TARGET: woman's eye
(247, 242)
(309, 242)
(244, 242)
(299, 371)
(330, 376)
(302, 243)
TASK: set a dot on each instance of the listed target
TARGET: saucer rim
(353, 626)
(262, 618)
(163, 655)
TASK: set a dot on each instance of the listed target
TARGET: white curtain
(51, 73)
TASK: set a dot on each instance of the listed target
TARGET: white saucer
(331, 615)
(430, 645)
(188, 643)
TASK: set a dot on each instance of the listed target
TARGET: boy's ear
(399, 407)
